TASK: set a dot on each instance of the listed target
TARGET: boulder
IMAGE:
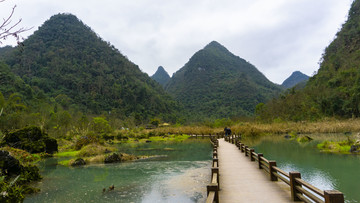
(355, 148)
(31, 139)
(79, 162)
(8, 164)
(113, 158)
(287, 136)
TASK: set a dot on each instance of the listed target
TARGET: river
(325, 171)
(179, 173)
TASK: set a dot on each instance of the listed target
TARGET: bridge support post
(294, 184)
(246, 149)
(333, 196)
(251, 155)
(271, 170)
(259, 159)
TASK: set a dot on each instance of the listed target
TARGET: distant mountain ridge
(161, 76)
(294, 79)
(215, 83)
(65, 58)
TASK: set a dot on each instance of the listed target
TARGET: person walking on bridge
(227, 131)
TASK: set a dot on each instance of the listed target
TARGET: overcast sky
(277, 36)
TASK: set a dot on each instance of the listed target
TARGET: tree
(10, 29)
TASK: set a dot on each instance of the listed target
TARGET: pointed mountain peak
(161, 69)
(215, 45)
(161, 76)
(295, 78)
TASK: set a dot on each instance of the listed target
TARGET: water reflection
(178, 176)
(325, 171)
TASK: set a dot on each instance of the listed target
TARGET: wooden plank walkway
(242, 181)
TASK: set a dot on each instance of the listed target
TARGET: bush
(100, 125)
(85, 140)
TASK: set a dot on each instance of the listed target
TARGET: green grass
(342, 147)
(65, 162)
(170, 138)
(67, 154)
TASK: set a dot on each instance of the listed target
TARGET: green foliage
(100, 125)
(67, 63)
(85, 140)
(155, 122)
(335, 90)
(217, 84)
(342, 147)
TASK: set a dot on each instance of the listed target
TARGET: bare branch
(8, 29)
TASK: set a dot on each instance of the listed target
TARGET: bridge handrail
(300, 189)
(214, 186)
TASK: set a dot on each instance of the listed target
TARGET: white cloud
(278, 36)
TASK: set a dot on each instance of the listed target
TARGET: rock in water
(113, 158)
(355, 148)
(79, 162)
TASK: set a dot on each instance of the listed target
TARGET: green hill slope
(65, 57)
(217, 84)
(335, 90)
(337, 83)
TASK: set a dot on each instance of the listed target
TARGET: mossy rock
(31, 139)
(113, 158)
(304, 139)
(8, 164)
(78, 162)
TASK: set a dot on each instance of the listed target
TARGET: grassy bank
(256, 128)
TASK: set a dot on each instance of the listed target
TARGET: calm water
(326, 171)
(179, 174)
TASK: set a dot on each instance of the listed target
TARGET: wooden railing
(214, 186)
(300, 189)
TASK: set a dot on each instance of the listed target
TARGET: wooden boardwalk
(241, 181)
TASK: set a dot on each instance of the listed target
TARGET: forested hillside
(69, 62)
(335, 90)
(217, 84)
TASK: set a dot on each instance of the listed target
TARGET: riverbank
(328, 125)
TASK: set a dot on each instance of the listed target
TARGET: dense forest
(335, 90)
(67, 66)
(215, 83)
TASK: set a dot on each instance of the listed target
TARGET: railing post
(333, 196)
(216, 170)
(293, 184)
(271, 170)
(246, 149)
(259, 159)
(251, 155)
(216, 160)
(213, 187)
(241, 147)
(232, 140)
(215, 154)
